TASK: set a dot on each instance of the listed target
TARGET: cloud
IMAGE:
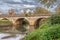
(19, 5)
(29, 6)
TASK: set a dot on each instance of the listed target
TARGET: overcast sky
(19, 5)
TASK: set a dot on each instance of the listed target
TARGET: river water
(5, 36)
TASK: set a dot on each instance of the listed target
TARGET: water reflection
(16, 37)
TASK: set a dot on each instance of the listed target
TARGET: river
(7, 36)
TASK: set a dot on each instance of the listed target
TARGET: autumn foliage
(40, 10)
(11, 12)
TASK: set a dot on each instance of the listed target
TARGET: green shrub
(45, 25)
(51, 33)
(55, 19)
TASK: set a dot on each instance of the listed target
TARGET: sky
(19, 5)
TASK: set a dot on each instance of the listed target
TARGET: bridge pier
(14, 25)
(31, 28)
(31, 25)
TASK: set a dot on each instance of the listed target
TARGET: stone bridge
(32, 20)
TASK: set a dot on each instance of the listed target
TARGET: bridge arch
(6, 24)
(7, 20)
(4, 19)
(22, 22)
(38, 22)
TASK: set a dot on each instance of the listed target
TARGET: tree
(41, 10)
(47, 3)
(58, 9)
(11, 12)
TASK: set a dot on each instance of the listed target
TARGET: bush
(55, 19)
(51, 33)
(45, 25)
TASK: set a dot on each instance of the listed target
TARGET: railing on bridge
(24, 15)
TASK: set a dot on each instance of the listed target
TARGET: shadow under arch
(21, 24)
(4, 19)
(38, 23)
